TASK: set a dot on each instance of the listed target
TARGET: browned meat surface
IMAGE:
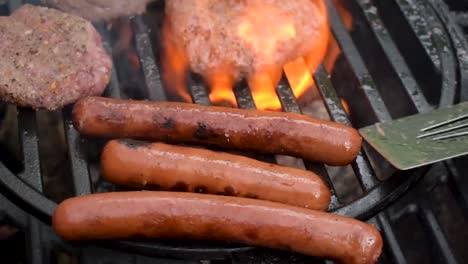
(229, 128)
(244, 36)
(50, 59)
(162, 215)
(160, 166)
(101, 9)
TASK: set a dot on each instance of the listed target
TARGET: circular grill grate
(375, 68)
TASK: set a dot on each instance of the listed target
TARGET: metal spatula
(421, 139)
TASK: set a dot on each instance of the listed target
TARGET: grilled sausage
(201, 216)
(261, 131)
(165, 167)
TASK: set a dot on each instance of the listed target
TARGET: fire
(299, 77)
(333, 48)
(299, 71)
(262, 33)
(345, 106)
(221, 83)
(174, 65)
(263, 86)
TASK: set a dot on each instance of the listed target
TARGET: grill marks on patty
(50, 59)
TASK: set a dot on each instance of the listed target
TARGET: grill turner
(421, 139)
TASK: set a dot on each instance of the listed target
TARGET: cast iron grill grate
(375, 69)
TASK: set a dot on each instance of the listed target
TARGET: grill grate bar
(394, 56)
(431, 223)
(150, 69)
(458, 186)
(329, 96)
(357, 64)
(34, 242)
(76, 144)
(287, 98)
(461, 45)
(390, 239)
(361, 166)
(289, 104)
(105, 256)
(11, 210)
(244, 96)
(198, 91)
(444, 48)
(30, 148)
(320, 170)
(434, 50)
(79, 165)
(113, 87)
(364, 172)
(419, 26)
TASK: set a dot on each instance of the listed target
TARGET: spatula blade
(398, 141)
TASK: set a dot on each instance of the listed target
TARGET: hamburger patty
(96, 10)
(244, 35)
(50, 59)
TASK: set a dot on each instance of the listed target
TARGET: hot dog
(164, 167)
(201, 216)
(261, 131)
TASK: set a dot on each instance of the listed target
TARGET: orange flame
(299, 71)
(174, 65)
(261, 33)
(318, 53)
(263, 86)
(299, 77)
(258, 31)
(221, 82)
(345, 106)
(333, 48)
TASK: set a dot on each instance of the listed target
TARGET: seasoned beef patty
(50, 59)
(245, 35)
(96, 10)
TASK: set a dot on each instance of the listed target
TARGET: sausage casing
(261, 131)
(159, 166)
(168, 215)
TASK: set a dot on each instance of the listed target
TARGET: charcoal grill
(400, 59)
